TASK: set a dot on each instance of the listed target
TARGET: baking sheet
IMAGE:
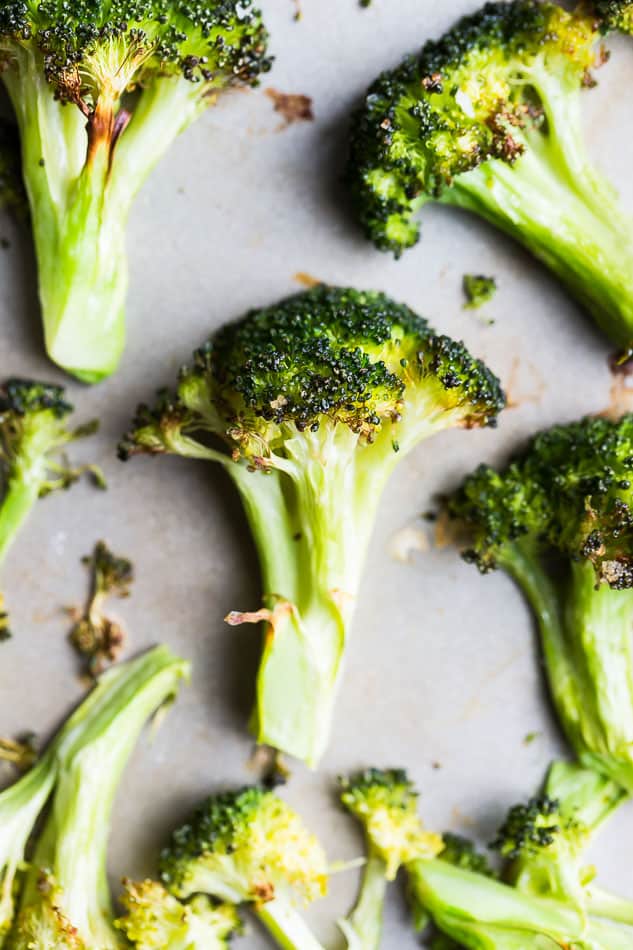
(443, 672)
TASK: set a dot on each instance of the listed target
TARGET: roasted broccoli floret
(559, 520)
(97, 637)
(544, 840)
(116, 699)
(462, 853)
(87, 148)
(386, 804)
(33, 428)
(250, 847)
(313, 403)
(487, 118)
(156, 920)
(65, 901)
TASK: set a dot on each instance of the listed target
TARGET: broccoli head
(250, 847)
(462, 853)
(567, 498)
(155, 919)
(67, 68)
(487, 118)
(386, 804)
(309, 405)
(33, 428)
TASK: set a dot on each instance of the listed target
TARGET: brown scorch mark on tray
(293, 107)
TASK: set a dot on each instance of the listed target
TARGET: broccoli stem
(92, 752)
(311, 520)
(21, 494)
(586, 640)
(552, 201)
(363, 928)
(479, 912)
(80, 198)
(610, 906)
(286, 925)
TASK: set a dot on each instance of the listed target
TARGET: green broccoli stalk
(68, 69)
(156, 920)
(250, 847)
(488, 119)
(544, 841)
(313, 403)
(22, 802)
(559, 520)
(385, 803)
(33, 428)
(65, 901)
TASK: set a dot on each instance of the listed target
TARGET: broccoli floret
(156, 920)
(313, 402)
(67, 68)
(386, 804)
(12, 194)
(33, 427)
(487, 118)
(65, 901)
(249, 846)
(95, 636)
(117, 699)
(478, 290)
(566, 501)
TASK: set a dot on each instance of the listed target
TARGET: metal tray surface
(443, 671)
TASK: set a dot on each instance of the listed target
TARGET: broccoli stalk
(385, 803)
(250, 847)
(32, 429)
(65, 901)
(558, 520)
(85, 155)
(156, 920)
(312, 403)
(488, 118)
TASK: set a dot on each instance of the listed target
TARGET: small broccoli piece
(33, 428)
(87, 147)
(250, 847)
(568, 498)
(386, 804)
(478, 290)
(615, 14)
(94, 635)
(156, 920)
(12, 194)
(65, 901)
(488, 119)
(544, 840)
(312, 403)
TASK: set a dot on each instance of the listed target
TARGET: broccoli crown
(463, 100)
(12, 191)
(155, 919)
(20, 397)
(245, 846)
(326, 355)
(462, 853)
(529, 828)
(570, 491)
(386, 804)
(32, 422)
(94, 47)
(615, 14)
